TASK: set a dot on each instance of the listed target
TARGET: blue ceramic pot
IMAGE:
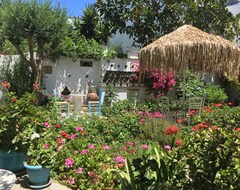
(12, 161)
(37, 175)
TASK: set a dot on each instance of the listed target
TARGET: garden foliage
(129, 148)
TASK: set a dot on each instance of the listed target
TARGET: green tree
(37, 24)
(91, 26)
(147, 20)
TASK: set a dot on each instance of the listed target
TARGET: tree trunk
(37, 74)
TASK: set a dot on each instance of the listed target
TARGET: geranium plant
(20, 118)
(44, 147)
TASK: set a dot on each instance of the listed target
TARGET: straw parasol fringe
(189, 47)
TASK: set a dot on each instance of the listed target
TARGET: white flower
(63, 114)
(35, 135)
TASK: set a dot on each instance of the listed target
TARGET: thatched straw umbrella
(190, 48)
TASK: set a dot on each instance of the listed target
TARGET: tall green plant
(215, 94)
(194, 85)
(19, 76)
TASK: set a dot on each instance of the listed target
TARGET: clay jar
(92, 96)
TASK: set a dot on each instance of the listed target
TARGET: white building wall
(69, 73)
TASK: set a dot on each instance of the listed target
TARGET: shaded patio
(190, 48)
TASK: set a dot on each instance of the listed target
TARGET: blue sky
(74, 7)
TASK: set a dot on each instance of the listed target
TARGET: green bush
(220, 115)
(194, 85)
(154, 129)
(19, 76)
(210, 156)
(214, 94)
(208, 159)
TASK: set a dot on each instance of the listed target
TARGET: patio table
(77, 101)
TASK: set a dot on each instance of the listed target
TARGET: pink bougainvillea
(161, 82)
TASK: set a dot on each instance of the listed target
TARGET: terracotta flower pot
(92, 96)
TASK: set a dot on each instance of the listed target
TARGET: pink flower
(120, 159)
(69, 162)
(59, 147)
(106, 147)
(91, 146)
(140, 112)
(84, 151)
(79, 170)
(73, 136)
(70, 180)
(46, 146)
(147, 113)
(79, 128)
(167, 147)
(132, 144)
(157, 115)
(144, 146)
(46, 124)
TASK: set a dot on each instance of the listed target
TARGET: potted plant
(20, 118)
(41, 156)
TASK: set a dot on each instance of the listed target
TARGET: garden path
(22, 184)
(9, 181)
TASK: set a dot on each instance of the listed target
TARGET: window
(47, 69)
(86, 63)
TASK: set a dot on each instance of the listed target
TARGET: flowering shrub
(160, 82)
(220, 115)
(164, 155)
(20, 119)
(134, 77)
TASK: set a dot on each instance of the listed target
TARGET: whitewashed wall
(67, 72)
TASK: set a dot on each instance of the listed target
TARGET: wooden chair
(61, 107)
(194, 103)
(94, 107)
(165, 100)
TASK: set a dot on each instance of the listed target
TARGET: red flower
(178, 142)
(172, 130)
(179, 121)
(199, 126)
(64, 134)
(191, 114)
(60, 141)
(14, 100)
(217, 105)
(84, 133)
(209, 110)
(229, 103)
(214, 127)
(238, 129)
(58, 126)
(6, 85)
(67, 136)
(36, 87)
